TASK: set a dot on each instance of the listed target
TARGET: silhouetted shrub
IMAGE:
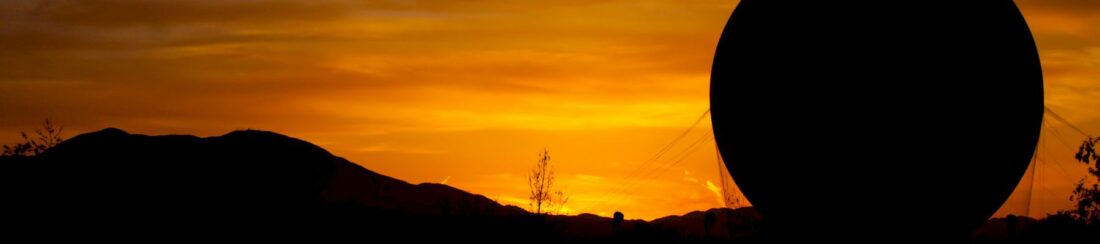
(44, 138)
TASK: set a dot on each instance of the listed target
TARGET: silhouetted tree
(617, 222)
(1088, 196)
(544, 197)
(46, 137)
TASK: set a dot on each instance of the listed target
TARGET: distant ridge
(112, 179)
(258, 183)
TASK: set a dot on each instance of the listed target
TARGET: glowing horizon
(432, 91)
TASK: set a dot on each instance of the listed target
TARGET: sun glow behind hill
(428, 90)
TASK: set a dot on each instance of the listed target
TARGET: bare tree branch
(544, 198)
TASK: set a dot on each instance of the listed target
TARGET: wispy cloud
(721, 200)
(386, 148)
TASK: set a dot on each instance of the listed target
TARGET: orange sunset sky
(461, 92)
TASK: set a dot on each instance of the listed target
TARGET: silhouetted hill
(729, 223)
(1055, 228)
(115, 182)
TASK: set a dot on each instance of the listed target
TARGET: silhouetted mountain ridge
(113, 183)
(247, 176)
(291, 164)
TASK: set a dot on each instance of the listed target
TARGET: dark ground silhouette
(261, 185)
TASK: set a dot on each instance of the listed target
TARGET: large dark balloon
(881, 118)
